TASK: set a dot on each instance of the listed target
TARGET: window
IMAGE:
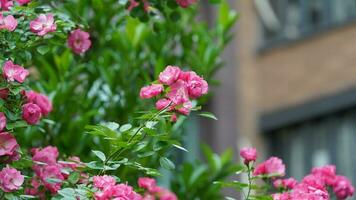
(327, 140)
(286, 20)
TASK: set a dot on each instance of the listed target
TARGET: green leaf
(208, 115)
(74, 177)
(100, 155)
(42, 49)
(125, 127)
(166, 163)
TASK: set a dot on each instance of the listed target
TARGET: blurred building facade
(289, 87)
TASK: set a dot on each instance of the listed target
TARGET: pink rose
(6, 4)
(14, 72)
(166, 195)
(327, 173)
(174, 117)
(151, 91)
(120, 191)
(309, 192)
(43, 24)
(10, 179)
(31, 113)
(169, 75)
(185, 3)
(282, 196)
(343, 187)
(8, 144)
(162, 103)
(79, 41)
(185, 108)
(46, 155)
(288, 183)
(248, 154)
(148, 183)
(9, 22)
(51, 172)
(41, 100)
(22, 2)
(102, 182)
(196, 85)
(2, 121)
(273, 166)
(178, 93)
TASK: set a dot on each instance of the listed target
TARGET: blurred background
(289, 84)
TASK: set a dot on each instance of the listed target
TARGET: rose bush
(47, 148)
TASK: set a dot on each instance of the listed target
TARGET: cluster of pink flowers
(152, 191)
(7, 4)
(47, 167)
(78, 40)
(315, 186)
(108, 189)
(182, 86)
(37, 105)
(312, 187)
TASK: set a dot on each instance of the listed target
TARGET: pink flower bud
(22, 2)
(151, 91)
(248, 154)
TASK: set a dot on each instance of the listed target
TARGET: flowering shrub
(320, 184)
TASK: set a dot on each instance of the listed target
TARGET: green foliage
(195, 180)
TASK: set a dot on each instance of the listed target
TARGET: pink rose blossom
(248, 154)
(151, 91)
(174, 117)
(10, 179)
(196, 85)
(102, 182)
(166, 195)
(288, 183)
(185, 3)
(23, 2)
(43, 24)
(51, 172)
(119, 192)
(169, 75)
(185, 108)
(41, 100)
(343, 187)
(79, 41)
(14, 72)
(9, 22)
(273, 166)
(282, 196)
(8, 144)
(162, 103)
(148, 183)
(46, 155)
(327, 173)
(31, 113)
(178, 93)
(6, 4)
(304, 191)
(2, 121)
